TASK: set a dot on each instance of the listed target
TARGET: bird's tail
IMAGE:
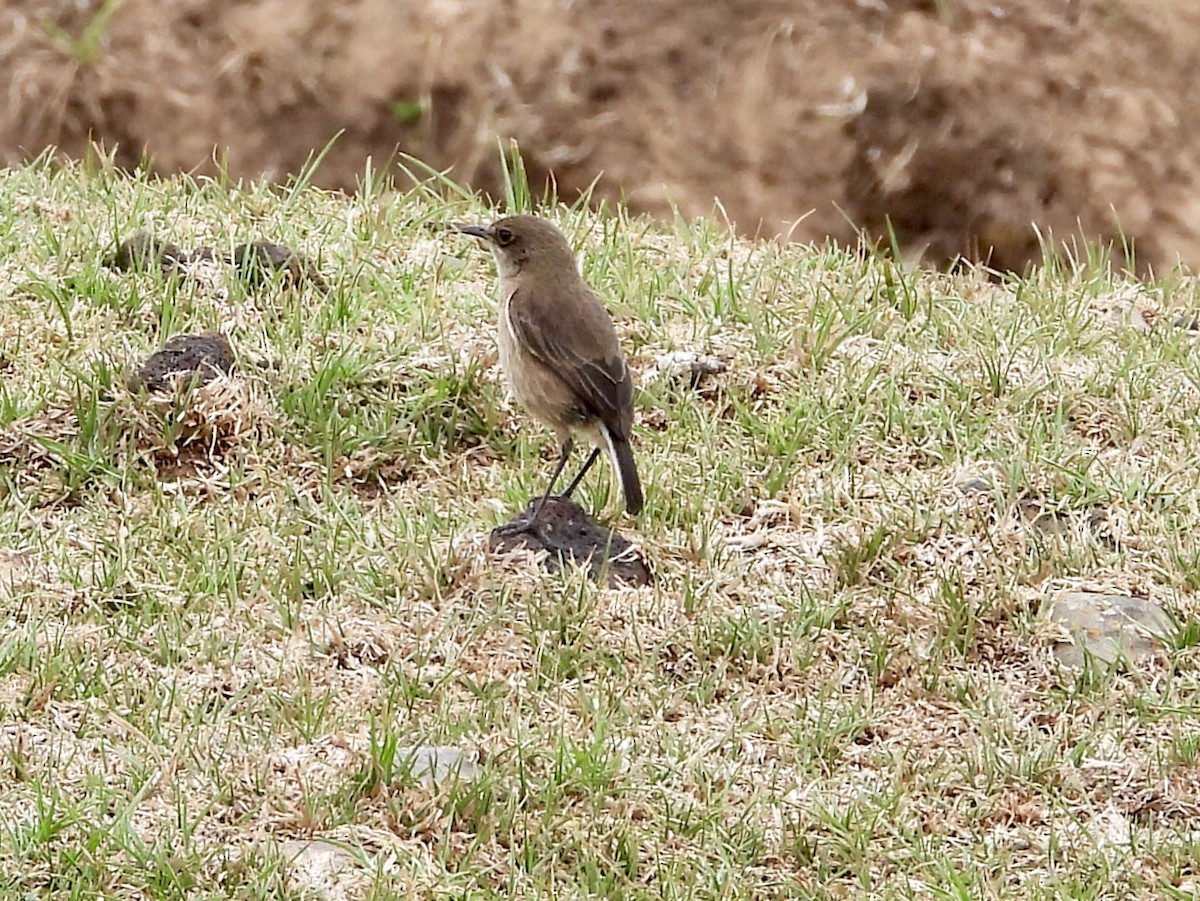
(621, 455)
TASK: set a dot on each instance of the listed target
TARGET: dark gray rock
(203, 357)
(974, 485)
(568, 535)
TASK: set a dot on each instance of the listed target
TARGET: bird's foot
(518, 527)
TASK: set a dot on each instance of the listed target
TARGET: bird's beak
(475, 231)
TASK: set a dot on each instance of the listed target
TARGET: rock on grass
(258, 262)
(203, 357)
(568, 535)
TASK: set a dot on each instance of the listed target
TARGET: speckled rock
(1110, 628)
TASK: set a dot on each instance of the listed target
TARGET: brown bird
(559, 348)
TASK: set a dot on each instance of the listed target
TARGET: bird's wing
(584, 353)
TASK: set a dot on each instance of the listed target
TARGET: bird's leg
(530, 526)
(579, 478)
(567, 444)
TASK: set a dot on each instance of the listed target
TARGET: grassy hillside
(225, 614)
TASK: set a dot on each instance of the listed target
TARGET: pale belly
(533, 385)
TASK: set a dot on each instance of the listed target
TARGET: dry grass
(225, 610)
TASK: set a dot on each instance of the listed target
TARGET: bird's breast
(535, 386)
(506, 338)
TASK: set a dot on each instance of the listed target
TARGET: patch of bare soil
(962, 122)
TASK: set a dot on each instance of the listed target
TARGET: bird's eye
(504, 236)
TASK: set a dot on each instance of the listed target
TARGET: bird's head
(525, 244)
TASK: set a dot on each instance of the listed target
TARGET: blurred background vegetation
(971, 128)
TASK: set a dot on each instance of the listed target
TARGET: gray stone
(974, 485)
(1109, 627)
(325, 855)
(433, 764)
(1191, 323)
(323, 869)
(689, 366)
